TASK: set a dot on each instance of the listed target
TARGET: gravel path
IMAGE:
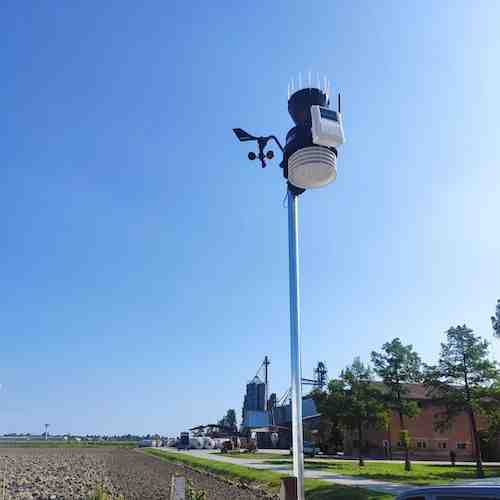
(74, 473)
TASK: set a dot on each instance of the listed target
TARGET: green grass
(269, 478)
(315, 488)
(65, 444)
(421, 474)
(263, 456)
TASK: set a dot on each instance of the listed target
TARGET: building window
(421, 444)
(442, 445)
(461, 446)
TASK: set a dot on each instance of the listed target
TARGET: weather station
(309, 161)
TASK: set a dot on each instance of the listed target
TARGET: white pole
(293, 250)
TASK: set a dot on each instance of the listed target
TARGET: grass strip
(420, 474)
(256, 455)
(270, 479)
(316, 489)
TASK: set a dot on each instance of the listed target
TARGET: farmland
(63, 473)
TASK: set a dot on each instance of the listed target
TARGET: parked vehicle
(452, 493)
(309, 449)
(227, 446)
(147, 443)
(172, 442)
(183, 442)
(248, 445)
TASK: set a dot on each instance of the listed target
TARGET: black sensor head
(299, 104)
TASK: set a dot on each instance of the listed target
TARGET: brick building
(426, 442)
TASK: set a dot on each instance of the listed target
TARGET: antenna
(310, 80)
(338, 103)
(266, 378)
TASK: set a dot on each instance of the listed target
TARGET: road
(392, 488)
(332, 477)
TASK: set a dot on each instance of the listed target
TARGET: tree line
(463, 381)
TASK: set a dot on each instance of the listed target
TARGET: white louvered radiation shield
(312, 167)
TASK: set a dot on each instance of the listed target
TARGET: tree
(462, 381)
(329, 436)
(353, 402)
(495, 320)
(363, 404)
(398, 365)
(229, 420)
(490, 409)
(328, 404)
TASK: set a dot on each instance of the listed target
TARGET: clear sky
(144, 258)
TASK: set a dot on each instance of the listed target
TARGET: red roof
(415, 391)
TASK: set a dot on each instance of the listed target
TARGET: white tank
(208, 443)
(196, 443)
(218, 442)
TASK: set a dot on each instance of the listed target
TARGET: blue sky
(144, 258)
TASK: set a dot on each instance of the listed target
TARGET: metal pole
(266, 364)
(293, 250)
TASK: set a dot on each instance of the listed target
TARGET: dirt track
(74, 473)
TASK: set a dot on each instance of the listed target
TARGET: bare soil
(74, 473)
